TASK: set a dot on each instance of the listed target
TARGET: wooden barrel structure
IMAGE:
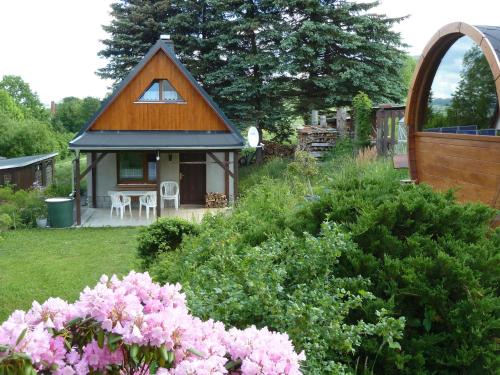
(445, 158)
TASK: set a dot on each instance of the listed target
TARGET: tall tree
(474, 101)
(72, 113)
(335, 48)
(24, 97)
(250, 84)
(8, 107)
(263, 60)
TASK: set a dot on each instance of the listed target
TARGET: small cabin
(453, 113)
(158, 126)
(27, 172)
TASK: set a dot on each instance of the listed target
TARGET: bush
(22, 207)
(251, 268)
(338, 289)
(134, 326)
(429, 259)
(163, 235)
(362, 108)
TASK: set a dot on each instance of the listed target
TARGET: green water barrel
(60, 212)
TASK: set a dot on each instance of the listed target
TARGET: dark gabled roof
(24, 161)
(167, 47)
(156, 140)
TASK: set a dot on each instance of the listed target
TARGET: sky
(53, 44)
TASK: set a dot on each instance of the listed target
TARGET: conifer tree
(336, 48)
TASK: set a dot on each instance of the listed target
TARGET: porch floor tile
(99, 217)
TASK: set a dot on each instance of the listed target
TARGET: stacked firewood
(273, 149)
(215, 200)
(317, 140)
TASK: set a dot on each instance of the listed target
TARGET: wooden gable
(126, 113)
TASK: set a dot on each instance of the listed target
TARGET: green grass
(37, 264)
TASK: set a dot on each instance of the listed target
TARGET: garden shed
(159, 135)
(26, 172)
(453, 113)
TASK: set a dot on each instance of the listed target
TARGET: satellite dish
(253, 137)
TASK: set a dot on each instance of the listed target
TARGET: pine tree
(335, 48)
(250, 84)
(264, 61)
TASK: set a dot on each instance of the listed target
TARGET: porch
(99, 217)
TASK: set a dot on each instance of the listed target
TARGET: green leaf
(196, 352)
(100, 339)
(134, 350)
(21, 336)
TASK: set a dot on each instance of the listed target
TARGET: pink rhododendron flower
(136, 312)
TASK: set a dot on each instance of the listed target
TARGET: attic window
(161, 90)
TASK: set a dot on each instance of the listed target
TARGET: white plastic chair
(170, 191)
(147, 200)
(120, 202)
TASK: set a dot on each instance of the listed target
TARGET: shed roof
(24, 161)
(156, 140)
(112, 140)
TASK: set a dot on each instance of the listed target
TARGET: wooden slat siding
(470, 163)
(125, 114)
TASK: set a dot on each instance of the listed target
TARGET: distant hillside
(441, 102)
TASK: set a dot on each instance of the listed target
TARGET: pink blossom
(147, 314)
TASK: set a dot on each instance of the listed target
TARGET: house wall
(215, 175)
(106, 179)
(24, 177)
(125, 113)
(106, 175)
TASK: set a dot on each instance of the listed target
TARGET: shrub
(134, 326)
(429, 259)
(163, 235)
(252, 269)
(362, 107)
(23, 207)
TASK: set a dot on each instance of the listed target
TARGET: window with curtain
(161, 90)
(136, 167)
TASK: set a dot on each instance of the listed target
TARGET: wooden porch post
(158, 182)
(236, 164)
(226, 174)
(94, 179)
(77, 189)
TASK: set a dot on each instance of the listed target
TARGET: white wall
(169, 168)
(106, 175)
(106, 179)
(216, 177)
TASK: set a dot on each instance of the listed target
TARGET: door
(193, 177)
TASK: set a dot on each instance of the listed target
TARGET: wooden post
(94, 180)
(77, 189)
(236, 164)
(226, 174)
(158, 182)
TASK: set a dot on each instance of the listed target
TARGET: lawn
(38, 264)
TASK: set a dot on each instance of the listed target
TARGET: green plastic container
(60, 212)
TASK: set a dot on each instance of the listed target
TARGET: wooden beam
(92, 165)
(236, 164)
(158, 182)
(77, 189)
(226, 175)
(94, 179)
(222, 165)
